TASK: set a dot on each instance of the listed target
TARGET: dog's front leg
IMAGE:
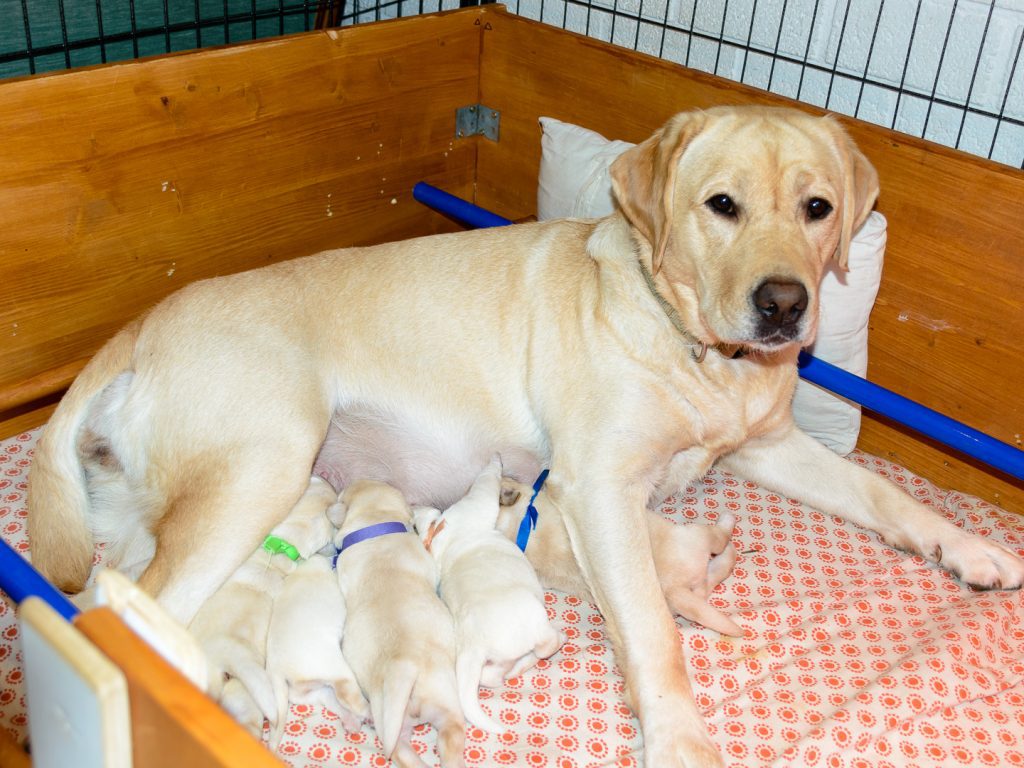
(608, 532)
(795, 465)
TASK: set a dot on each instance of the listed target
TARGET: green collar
(275, 545)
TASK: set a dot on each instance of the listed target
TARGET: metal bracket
(477, 120)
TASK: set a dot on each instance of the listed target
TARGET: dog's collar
(275, 545)
(371, 532)
(699, 349)
(435, 528)
(529, 521)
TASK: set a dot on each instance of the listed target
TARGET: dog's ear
(643, 180)
(860, 189)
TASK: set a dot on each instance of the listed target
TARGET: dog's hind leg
(216, 517)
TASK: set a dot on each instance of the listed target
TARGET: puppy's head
(366, 502)
(736, 212)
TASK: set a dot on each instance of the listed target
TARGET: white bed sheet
(855, 655)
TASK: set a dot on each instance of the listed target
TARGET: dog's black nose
(780, 303)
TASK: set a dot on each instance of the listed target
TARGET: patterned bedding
(855, 655)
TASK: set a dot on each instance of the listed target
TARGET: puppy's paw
(978, 562)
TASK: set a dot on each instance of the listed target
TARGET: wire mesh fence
(946, 70)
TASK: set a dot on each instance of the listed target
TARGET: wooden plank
(119, 184)
(11, 753)
(173, 723)
(948, 327)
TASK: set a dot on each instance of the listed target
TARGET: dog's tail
(389, 707)
(58, 499)
(468, 668)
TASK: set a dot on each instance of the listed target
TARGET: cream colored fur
(541, 342)
(232, 625)
(399, 638)
(501, 623)
(690, 560)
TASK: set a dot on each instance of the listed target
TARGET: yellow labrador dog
(627, 354)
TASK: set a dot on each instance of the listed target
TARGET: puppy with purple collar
(496, 600)
(399, 639)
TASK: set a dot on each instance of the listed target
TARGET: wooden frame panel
(948, 327)
(121, 183)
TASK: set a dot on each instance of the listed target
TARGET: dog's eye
(722, 204)
(818, 208)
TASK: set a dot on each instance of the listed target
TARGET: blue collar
(369, 532)
(529, 521)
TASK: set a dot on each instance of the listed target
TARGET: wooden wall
(948, 326)
(119, 184)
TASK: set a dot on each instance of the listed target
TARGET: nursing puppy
(399, 638)
(627, 354)
(501, 624)
(690, 560)
(304, 658)
(231, 627)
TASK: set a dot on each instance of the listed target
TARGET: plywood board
(121, 183)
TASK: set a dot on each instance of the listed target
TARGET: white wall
(919, 67)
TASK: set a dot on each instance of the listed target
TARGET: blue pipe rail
(1002, 456)
(20, 580)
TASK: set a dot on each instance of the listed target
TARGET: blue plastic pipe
(1000, 455)
(20, 580)
(471, 215)
(955, 434)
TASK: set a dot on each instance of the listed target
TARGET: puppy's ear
(643, 180)
(860, 188)
(422, 517)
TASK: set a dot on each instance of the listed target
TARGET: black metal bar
(906, 64)
(64, 33)
(938, 69)
(974, 74)
(721, 36)
(867, 63)
(1006, 95)
(839, 50)
(807, 50)
(778, 41)
(99, 31)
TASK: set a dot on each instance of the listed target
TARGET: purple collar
(371, 532)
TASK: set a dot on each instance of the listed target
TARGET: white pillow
(574, 182)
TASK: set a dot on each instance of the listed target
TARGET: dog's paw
(688, 748)
(978, 562)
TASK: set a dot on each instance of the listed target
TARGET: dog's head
(737, 211)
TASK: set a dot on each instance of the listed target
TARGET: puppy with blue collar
(501, 623)
(399, 638)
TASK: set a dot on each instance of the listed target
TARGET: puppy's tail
(468, 668)
(390, 705)
(58, 499)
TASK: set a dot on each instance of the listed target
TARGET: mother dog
(627, 354)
